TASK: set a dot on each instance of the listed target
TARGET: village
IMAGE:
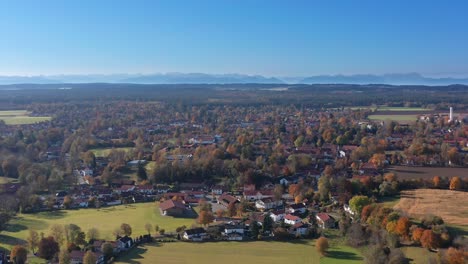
(219, 173)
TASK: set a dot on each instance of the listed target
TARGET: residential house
(257, 195)
(299, 229)
(348, 209)
(145, 189)
(267, 203)
(124, 243)
(125, 189)
(298, 208)
(76, 257)
(226, 199)
(292, 219)
(195, 234)
(217, 190)
(324, 220)
(289, 180)
(173, 208)
(97, 244)
(234, 232)
(277, 215)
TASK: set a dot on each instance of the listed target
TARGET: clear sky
(273, 38)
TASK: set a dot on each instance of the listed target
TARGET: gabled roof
(324, 217)
(277, 212)
(297, 206)
(292, 217)
(194, 231)
(168, 204)
(227, 198)
(125, 239)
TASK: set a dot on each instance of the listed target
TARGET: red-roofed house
(292, 219)
(324, 220)
(173, 208)
(76, 257)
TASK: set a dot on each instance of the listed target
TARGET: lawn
(105, 219)
(21, 117)
(417, 255)
(396, 109)
(389, 201)
(393, 117)
(104, 152)
(14, 113)
(298, 251)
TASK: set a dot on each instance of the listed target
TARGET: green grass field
(271, 252)
(21, 117)
(417, 255)
(104, 152)
(393, 117)
(105, 219)
(396, 109)
(389, 201)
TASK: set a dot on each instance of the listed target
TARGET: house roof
(168, 204)
(250, 193)
(77, 254)
(267, 200)
(125, 239)
(234, 227)
(277, 212)
(145, 187)
(227, 198)
(300, 225)
(324, 217)
(193, 231)
(292, 217)
(297, 206)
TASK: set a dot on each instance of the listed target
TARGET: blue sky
(272, 38)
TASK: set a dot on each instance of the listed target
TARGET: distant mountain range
(203, 78)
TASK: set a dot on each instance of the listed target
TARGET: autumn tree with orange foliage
(436, 181)
(456, 256)
(402, 227)
(231, 209)
(18, 254)
(417, 234)
(378, 160)
(322, 245)
(455, 183)
(390, 177)
(429, 239)
(294, 190)
(205, 218)
(299, 198)
(366, 212)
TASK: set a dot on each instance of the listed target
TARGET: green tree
(324, 187)
(358, 202)
(267, 224)
(141, 172)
